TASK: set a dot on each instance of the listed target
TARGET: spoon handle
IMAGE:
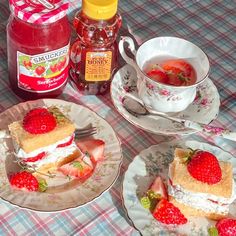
(216, 131)
(213, 130)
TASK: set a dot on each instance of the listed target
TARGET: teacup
(159, 96)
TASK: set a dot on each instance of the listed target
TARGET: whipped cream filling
(53, 153)
(203, 201)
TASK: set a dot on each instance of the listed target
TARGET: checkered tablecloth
(211, 24)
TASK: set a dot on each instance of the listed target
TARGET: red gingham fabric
(38, 14)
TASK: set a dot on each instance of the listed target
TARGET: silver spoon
(136, 108)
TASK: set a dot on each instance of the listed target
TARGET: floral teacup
(159, 96)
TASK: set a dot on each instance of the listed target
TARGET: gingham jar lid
(34, 12)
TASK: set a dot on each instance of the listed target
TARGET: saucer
(203, 109)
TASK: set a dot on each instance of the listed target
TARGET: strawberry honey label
(98, 66)
(43, 72)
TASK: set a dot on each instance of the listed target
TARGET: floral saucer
(61, 194)
(203, 109)
(142, 171)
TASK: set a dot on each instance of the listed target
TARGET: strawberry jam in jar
(94, 53)
(38, 37)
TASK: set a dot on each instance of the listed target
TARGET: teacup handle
(129, 60)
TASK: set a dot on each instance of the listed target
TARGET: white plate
(145, 167)
(70, 194)
(204, 109)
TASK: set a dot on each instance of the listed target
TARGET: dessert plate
(65, 195)
(145, 167)
(203, 109)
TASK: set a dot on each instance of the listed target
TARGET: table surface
(209, 24)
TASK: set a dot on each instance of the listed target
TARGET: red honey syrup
(38, 48)
(170, 71)
(94, 54)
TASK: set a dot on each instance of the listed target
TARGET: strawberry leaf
(42, 185)
(212, 231)
(78, 165)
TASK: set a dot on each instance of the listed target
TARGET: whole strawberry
(224, 227)
(204, 166)
(167, 213)
(39, 121)
(24, 180)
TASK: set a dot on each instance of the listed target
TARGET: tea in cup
(168, 71)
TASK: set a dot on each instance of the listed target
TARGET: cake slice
(195, 197)
(44, 139)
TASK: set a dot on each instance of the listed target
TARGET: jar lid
(99, 9)
(34, 12)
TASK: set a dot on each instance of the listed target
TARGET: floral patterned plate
(204, 109)
(145, 167)
(61, 195)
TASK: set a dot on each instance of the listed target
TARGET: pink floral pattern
(215, 130)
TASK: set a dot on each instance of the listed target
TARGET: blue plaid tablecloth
(209, 24)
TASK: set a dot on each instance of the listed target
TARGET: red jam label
(43, 72)
(98, 66)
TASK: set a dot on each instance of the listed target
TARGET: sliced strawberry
(24, 180)
(66, 143)
(94, 147)
(167, 213)
(159, 188)
(158, 76)
(36, 158)
(77, 168)
(179, 72)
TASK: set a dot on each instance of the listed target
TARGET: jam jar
(38, 38)
(94, 53)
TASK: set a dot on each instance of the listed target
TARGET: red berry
(204, 167)
(25, 180)
(39, 121)
(94, 147)
(180, 72)
(158, 76)
(40, 70)
(167, 213)
(77, 168)
(226, 227)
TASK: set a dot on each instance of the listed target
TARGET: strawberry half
(155, 193)
(167, 213)
(204, 167)
(94, 147)
(224, 227)
(77, 168)
(159, 188)
(24, 180)
(39, 121)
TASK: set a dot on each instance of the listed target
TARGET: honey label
(98, 66)
(43, 72)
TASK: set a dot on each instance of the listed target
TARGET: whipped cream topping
(53, 153)
(202, 201)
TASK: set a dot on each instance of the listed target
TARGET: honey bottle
(94, 54)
